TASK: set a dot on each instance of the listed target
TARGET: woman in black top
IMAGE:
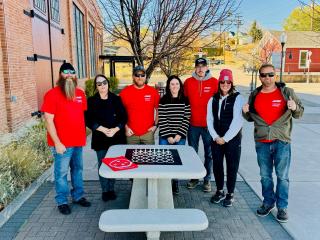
(106, 117)
(174, 117)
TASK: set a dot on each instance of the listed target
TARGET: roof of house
(299, 39)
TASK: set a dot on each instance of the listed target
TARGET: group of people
(202, 106)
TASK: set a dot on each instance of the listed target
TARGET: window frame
(306, 59)
(36, 6)
(79, 24)
(92, 48)
(57, 10)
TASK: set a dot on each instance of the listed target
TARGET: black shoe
(83, 202)
(264, 210)
(282, 215)
(175, 187)
(105, 196)
(227, 202)
(64, 209)
(110, 195)
(218, 197)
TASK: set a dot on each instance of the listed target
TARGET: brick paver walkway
(39, 218)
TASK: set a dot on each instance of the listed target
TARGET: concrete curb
(23, 196)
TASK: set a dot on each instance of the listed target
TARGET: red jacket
(199, 91)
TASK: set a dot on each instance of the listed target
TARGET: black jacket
(108, 113)
(221, 126)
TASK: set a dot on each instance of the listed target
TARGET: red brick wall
(3, 108)
(21, 37)
(19, 79)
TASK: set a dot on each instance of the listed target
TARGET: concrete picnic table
(151, 207)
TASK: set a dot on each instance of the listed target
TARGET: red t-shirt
(270, 106)
(140, 105)
(199, 93)
(68, 117)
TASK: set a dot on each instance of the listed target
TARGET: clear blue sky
(269, 14)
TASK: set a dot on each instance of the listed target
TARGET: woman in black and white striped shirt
(174, 117)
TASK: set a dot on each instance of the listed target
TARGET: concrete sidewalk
(304, 194)
(39, 218)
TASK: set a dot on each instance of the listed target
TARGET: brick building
(36, 36)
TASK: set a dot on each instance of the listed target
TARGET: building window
(79, 41)
(92, 51)
(303, 59)
(55, 11)
(40, 5)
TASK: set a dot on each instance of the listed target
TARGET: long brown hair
(168, 94)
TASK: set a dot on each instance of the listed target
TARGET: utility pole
(312, 14)
(238, 23)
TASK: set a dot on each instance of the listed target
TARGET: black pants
(231, 151)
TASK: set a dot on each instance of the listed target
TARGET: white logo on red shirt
(206, 89)
(78, 99)
(276, 103)
(147, 98)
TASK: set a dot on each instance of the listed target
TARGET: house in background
(244, 38)
(301, 59)
(36, 37)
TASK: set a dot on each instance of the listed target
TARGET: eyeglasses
(270, 74)
(68, 71)
(139, 75)
(99, 84)
(227, 82)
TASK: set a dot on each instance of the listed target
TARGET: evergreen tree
(255, 32)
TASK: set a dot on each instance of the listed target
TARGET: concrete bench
(153, 220)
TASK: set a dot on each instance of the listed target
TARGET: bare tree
(176, 63)
(156, 29)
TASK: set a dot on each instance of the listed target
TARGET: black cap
(202, 61)
(66, 66)
(138, 69)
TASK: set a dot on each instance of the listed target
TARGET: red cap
(225, 75)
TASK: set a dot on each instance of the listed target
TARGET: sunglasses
(68, 71)
(139, 75)
(270, 74)
(227, 82)
(99, 84)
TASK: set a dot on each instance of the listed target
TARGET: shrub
(89, 88)
(114, 82)
(22, 161)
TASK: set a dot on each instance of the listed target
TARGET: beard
(68, 87)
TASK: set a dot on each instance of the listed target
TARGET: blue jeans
(276, 154)
(71, 158)
(194, 134)
(107, 184)
(164, 141)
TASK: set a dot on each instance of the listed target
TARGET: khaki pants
(147, 138)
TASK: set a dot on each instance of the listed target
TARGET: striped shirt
(174, 117)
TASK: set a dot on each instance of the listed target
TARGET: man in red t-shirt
(141, 103)
(63, 109)
(271, 108)
(199, 89)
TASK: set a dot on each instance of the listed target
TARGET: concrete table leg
(153, 203)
